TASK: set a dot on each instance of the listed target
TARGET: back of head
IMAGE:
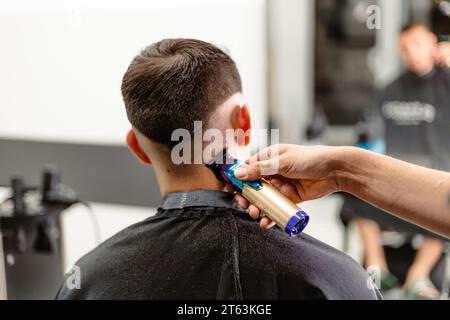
(175, 82)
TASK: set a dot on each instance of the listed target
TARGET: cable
(94, 221)
(63, 195)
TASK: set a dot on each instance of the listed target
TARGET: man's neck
(187, 179)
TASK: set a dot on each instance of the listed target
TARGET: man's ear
(135, 147)
(241, 119)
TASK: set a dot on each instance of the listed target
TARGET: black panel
(344, 84)
(33, 267)
(97, 172)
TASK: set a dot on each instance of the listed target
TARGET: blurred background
(309, 67)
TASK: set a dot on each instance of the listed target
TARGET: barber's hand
(443, 54)
(301, 173)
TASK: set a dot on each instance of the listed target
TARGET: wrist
(347, 173)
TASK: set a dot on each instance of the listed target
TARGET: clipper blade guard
(286, 214)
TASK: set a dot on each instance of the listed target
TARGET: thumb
(258, 169)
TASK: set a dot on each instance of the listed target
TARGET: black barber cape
(416, 113)
(201, 246)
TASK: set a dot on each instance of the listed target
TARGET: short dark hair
(175, 82)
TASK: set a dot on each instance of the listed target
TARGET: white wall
(291, 45)
(387, 60)
(62, 62)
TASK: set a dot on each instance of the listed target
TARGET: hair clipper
(286, 214)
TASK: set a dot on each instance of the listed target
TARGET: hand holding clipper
(286, 214)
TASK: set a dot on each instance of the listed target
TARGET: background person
(415, 111)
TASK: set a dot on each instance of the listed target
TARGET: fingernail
(240, 173)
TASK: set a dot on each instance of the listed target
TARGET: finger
(241, 201)
(290, 191)
(287, 188)
(254, 212)
(266, 223)
(268, 153)
(257, 170)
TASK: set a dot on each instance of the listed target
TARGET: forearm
(413, 193)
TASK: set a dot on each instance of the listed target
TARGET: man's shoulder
(277, 240)
(306, 261)
(128, 239)
(108, 260)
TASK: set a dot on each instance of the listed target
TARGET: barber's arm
(418, 195)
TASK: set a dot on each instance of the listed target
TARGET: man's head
(172, 84)
(418, 48)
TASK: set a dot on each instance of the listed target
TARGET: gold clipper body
(274, 204)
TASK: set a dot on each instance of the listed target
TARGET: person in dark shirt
(415, 113)
(201, 244)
